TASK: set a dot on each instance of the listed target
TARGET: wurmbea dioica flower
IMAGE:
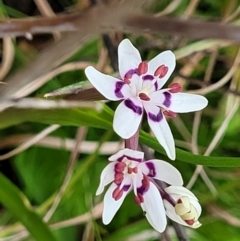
(140, 87)
(187, 208)
(127, 171)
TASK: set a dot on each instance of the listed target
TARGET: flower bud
(187, 208)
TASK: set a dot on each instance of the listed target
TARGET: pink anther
(135, 170)
(145, 182)
(130, 170)
(142, 68)
(139, 199)
(175, 88)
(189, 222)
(119, 167)
(143, 96)
(118, 176)
(161, 71)
(127, 81)
(170, 114)
(117, 194)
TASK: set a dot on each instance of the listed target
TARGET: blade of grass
(20, 207)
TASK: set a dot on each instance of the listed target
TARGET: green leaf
(188, 157)
(18, 204)
(68, 117)
(103, 120)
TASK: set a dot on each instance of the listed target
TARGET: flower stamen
(161, 71)
(145, 182)
(143, 96)
(139, 199)
(119, 167)
(169, 113)
(117, 194)
(175, 87)
(118, 178)
(142, 68)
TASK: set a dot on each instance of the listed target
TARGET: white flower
(127, 171)
(139, 86)
(187, 209)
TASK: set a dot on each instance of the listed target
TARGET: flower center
(122, 168)
(186, 211)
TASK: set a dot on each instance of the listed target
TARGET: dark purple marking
(152, 170)
(126, 188)
(118, 88)
(129, 158)
(156, 85)
(156, 118)
(148, 77)
(136, 109)
(167, 101)
(142, 189)
(131, 72)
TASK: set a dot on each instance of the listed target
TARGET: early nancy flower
(127, 171)
(187, 208)
(140, 87)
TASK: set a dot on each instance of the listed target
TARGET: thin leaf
(19, 205)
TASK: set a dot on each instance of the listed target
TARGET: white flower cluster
(139, 88)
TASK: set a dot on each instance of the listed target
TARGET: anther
(117, 194)
(170, 114)
(145, 182)
(190, 222)
(143, 96)
(135, 169)
(175, 88)
(119, 167)
(142, 68)
(127, 81)
(161, 71)
(139, 199)
(130, 170)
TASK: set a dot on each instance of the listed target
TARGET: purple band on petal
(126, 188)
(148, 77)
(167, 101)
(142, 189)
(156, 85)
(118, 88)
(156, 118)
(152, 170)
(131, 72)
(129, 158)
(136, 109)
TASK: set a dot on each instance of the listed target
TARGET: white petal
(161, 170)
(128, 57)
(153, 206)
(183, 103)
(170, 211)
(127, 118)
(110, 205)
(198, 207)
(138, 155)
(166, 58)
(160, 128)
(107, 176)
(107, 85)
(180, 191)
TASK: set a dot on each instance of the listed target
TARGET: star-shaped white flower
(187, 209)
(127, 171)
(139, 86)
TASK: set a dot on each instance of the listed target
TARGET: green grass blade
(19, 206)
